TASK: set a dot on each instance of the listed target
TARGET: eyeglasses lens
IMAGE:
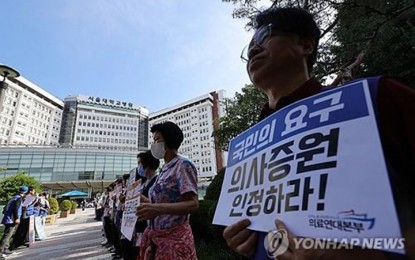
(260, 36)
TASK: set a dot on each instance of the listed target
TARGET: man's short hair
(293, 20)
(172, 134)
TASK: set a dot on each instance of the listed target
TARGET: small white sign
(129, 217)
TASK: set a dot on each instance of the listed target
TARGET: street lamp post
(6, 72)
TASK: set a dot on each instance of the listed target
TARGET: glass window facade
(66, 164)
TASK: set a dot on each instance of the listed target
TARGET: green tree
(10, 185)
(380, 34)
(241, 113)
(359, 37)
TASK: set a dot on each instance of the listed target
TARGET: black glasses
(260, 37)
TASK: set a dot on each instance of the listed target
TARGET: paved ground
(76, 237)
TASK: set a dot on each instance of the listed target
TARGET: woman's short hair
(172, 134)
(148, 160)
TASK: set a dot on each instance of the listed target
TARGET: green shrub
(74, 205)
(215, 250)
(66, 205)
(209, 240)
(213, 191)
(201, 221)
(54, 206)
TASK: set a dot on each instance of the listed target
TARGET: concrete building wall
(29, 114)
(196, 118)
(104, 124)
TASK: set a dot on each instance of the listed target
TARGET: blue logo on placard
(350, 215)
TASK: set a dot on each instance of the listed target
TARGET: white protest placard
(39, 228)
(318, 166)
(129, 215)
(111, 200)
(131, 179)
(117, 193)
(31, 231)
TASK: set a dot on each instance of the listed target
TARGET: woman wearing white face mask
(172, 198)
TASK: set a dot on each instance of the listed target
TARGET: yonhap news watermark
(276, 243)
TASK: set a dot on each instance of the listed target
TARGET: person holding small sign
(150, 165)
(279, 60)
(171, 199)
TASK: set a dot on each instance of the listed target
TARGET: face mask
(158, 150)
(140, 170)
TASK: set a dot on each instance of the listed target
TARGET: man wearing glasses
(279, 60)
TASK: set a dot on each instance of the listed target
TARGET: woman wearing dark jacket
(150, 165)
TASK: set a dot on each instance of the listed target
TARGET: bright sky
(152, 53)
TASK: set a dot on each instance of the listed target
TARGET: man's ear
(308, 45)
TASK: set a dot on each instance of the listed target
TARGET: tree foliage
(381, 31)
(359, 37)
(10, 185)
(241, 112)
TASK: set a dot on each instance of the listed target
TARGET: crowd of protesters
(145, 213)
(161, 227)
(16, 220)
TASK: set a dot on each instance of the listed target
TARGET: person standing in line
(83, 204)
(19, 238)
(172, 199)
(44, 206)
(103, 203)
(139, 171)
(150, 165)
(125, 245)
(12, 213)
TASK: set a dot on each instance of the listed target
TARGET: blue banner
(332, 106)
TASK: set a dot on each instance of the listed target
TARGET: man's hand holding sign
(304, 174)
